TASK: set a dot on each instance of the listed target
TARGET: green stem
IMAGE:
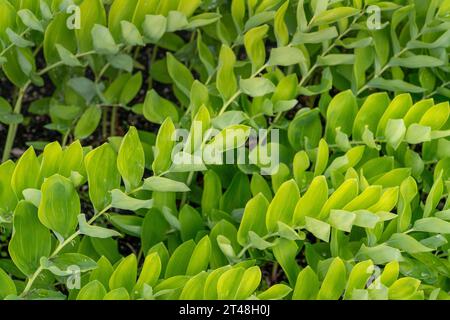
(188, 183)
(12, 130)
(113, 121)
(104, 123)
(151, 62)
(65, 138)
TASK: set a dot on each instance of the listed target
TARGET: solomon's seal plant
(224, 149)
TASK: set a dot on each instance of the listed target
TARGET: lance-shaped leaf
(60, 205)
(103, 176)
(334, 283)
(282, 206)
(30, 240)
(226, 80)
(163, 147)
(131, 160)
(164, 185)
(254, 45)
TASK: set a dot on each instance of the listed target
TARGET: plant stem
(150, 66)
(188, 183)
(65, 137)
(113, 121)
(12, 130)
(104, 123)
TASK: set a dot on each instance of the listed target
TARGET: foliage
(358, 207)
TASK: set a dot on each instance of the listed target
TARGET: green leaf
(312, 201)
(395, 132)
(341, 113)
(18, 40)
(88, 122)
(194, 288)
(163, 147)
(24, 175)
(252, 278)
(129, 224)
(29, 19)
(334, 283)
(180, 259)
(200, 257)
(307, 285)
(433, 225)
(131, 160)
(333, 15)
(154, 27)
(60, 205)
(176, 21)
(256, 87)
(416, 61)
(379, 254)
(150, 271)
(30, 240)
(117, 294)
(406, 243)
(318, 228)
(275, 292)
(103, 40)
(131, 34)
(103, 180)
(157, 109)
(403, 288)
(121, 61)
(315, 37)
(94, 231)
(336, 59)
(8, 199)
(341, 220)
(285, 56)
(226, 80)
(282, 206)
(125, 274)
(122, 201)
(180, 74)
(229, 282)
(286, 232)
(62, 265)
(257, 242)
(394, 85)
(358, 277)
(164, 185)
(254, 46)
(7, 286)
(94, 290)
(229, 138)
(343, 195)
(67, 57)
